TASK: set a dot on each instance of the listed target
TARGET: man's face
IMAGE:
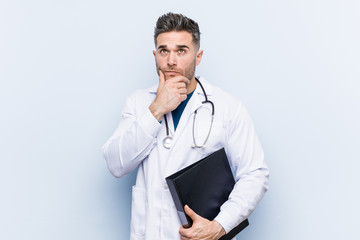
(176, 54)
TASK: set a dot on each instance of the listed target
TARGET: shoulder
(229, 109)
(144, 94)
(139, 101)
(221, 97)
(144, 91)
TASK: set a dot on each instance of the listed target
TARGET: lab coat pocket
(170, 222)
(138, 213)
(167, 203)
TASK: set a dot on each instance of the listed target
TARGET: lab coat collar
(198, 95)
(197, 98)
(207, 86)
(194, 103)
(154, 88)
(185, 121)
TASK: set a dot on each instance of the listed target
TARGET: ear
(154, 52)
(199, 55)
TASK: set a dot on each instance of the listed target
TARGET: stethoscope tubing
(167, 140)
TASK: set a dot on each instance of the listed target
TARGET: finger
(185, 80)
(184, 238)
(182, 97)
(180, 79)
(181, 90)
(183, 233)
(175, 85)
(191, 213)
(180, 85)
(161, 77)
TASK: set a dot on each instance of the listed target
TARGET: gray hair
(177, 22)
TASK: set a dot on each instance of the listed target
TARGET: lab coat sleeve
(246, 157)
(133, 139)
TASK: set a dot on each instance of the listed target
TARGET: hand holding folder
(204, 186)
(201, 227)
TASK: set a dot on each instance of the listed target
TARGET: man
(156, 134)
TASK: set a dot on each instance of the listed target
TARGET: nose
(172, 59)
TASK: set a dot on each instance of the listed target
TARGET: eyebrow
(182, 46)
(178, 46)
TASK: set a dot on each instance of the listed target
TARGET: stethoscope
(168, 140)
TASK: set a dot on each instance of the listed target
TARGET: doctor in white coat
(151, 116)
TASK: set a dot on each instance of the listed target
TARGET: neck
(192, 85)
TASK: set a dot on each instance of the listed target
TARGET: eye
(163, 51)
(181, 51)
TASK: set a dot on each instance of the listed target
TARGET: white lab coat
(138, 142)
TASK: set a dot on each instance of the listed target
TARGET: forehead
(174, 38)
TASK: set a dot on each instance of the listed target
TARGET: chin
(167, 76)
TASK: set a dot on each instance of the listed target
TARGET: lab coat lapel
(196, 101)
(185, 122)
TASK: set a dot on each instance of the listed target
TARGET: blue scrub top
(176, 114)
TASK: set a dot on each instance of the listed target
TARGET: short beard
(188, 73)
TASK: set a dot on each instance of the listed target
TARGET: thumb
(191, 213)
(161, 77)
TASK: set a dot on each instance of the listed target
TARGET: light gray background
(66, 67)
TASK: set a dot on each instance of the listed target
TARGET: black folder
(204, 186)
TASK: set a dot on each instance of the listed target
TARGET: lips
(172, 72)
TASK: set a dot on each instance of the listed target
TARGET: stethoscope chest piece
(167, 142)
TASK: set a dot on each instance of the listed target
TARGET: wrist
(156, 111)
(219, 228)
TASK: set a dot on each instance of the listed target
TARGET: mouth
(172, 73)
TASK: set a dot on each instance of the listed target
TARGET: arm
(246, 157)
(136, 134)
(133, 139)
(251, 175)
